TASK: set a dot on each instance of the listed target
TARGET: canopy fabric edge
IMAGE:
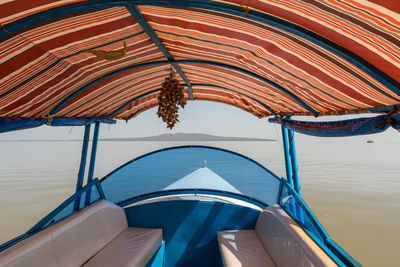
(8, 124)
(351, 127)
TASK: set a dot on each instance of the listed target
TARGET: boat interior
(175, 233)
(181, 206)
(83, 63)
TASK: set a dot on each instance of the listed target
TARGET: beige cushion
(287, 243)
(243, 248)
(70, 242)
(133, 247)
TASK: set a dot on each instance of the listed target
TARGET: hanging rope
(4, 28)
(390, 119)
(18, 34)
(246, 8)
(49, 119)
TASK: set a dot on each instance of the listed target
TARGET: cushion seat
(96, 236)
(133, 247)
(243, 248)
(277, 240)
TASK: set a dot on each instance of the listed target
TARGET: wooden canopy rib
(278, 87)
(147, 28)
(121, 108)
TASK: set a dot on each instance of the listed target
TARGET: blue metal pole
(82, 166)
(286, 152)
(92, 160)
(295, 174)
(293, 159)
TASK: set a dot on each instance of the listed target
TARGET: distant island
(187, 137)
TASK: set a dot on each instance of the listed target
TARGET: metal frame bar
(289, 150)
(307, 210)
(63, 205)
(293, 161)
(92, 163)
(341, 253)
(82, 165)
(193, 85)
(93, 151)
(227, 89)
(197, 62)
(286, 153)
(120, 108)
(329, 245)
(45, 220)
(153, 36)
(226, 8)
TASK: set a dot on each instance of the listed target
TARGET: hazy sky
(197, 117)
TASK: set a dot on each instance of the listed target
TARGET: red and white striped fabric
(44, 64)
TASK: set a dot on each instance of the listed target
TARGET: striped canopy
(268, 57)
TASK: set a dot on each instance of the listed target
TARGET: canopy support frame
(92, 163)
(289, 149)
(81, 172)
(196, 62)
(120, 108)
(288, 166)
(293, 161)
(156, 40)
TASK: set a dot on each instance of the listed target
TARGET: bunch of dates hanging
(170, 97)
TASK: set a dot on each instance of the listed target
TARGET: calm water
(352, 187)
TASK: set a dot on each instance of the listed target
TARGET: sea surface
(352, 187)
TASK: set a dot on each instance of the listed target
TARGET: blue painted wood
(141, 176)
(192, 191)
(81, 172)
(189, 227)
(100, 189)
(186, 146)
(199, 62)
(193, 85)
(153, 36)
(47, 15)
(92, 159)
(159, 258)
